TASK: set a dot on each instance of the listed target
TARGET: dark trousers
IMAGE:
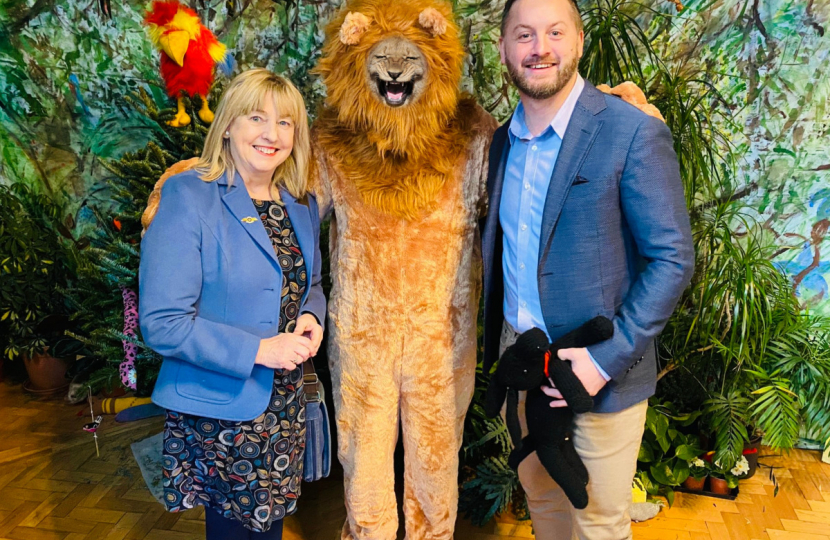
(218, 527)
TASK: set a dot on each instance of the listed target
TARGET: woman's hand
(307, 325)
(283, 351)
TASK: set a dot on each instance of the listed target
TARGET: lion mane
(398, 158)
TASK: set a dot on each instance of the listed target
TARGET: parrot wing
(224, 60)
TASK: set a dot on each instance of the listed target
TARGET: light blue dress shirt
(527, 176)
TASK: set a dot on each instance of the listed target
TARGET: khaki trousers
(608, 444)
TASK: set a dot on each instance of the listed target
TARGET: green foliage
(616, 47)
(728, 416)
(731, 332)
(803, 359)
(488, 485)
(109, 261)
(776, 409)
(489, 492)
(695, 112)
(665, 451)
(34, 264)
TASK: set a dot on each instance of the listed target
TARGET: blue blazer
(209, 290)
(615, 240)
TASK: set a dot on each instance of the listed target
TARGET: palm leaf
(776, 410)
(728, 417)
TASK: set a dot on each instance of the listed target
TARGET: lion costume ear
(433, 21)
(353, 28)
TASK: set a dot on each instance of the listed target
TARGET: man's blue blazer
(209, 290)
(615, 240)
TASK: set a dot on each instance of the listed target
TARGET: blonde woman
(231, 297)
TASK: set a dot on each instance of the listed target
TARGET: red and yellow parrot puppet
(189, 54)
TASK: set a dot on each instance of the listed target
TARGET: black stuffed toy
(526, 365)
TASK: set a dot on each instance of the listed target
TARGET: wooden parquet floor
(53, 487)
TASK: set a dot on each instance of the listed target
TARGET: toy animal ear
(433, 21)
(353, 28)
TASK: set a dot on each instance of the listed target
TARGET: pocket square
(580, 180)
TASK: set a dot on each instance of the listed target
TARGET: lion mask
(392, 69)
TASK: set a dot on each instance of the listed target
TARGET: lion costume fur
(405, 186)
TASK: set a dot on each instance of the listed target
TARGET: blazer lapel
(301, 220)
(239, 203)
(495, 174)
(582, 130)
(499, 149)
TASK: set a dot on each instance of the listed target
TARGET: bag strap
(311, 382)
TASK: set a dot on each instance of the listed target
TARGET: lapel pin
(249, 219)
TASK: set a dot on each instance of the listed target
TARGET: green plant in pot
(665, 451)
(739, 335)
(34, 267)
(698, 472)
(723, 479)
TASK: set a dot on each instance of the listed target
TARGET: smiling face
(541, 46)
(261, 141)
(396, 71)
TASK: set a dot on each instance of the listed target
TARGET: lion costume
(401, 158)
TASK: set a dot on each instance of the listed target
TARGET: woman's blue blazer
(209, 289)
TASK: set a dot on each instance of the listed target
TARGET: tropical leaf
(728, 417)
(776, 410)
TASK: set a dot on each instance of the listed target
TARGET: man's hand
(307, 324)
(584, 369)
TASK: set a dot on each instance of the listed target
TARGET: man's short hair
(509, 5)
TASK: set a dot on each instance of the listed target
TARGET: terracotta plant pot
(719, 486)
(693, 484)
(46, 373)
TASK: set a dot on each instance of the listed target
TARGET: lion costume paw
(631, 93)
(155, 196)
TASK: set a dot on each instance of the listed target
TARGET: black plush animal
(527, 365)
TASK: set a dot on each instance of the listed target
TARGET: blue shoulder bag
(317, 460)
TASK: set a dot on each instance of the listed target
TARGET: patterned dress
(249, 471)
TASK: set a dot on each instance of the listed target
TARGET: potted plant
(698, 471)
(35, 267)
(666, 451)
(740, 337)
(722, 480)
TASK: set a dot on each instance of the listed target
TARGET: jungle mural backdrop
(744, 85)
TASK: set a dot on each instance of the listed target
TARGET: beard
(546, 89)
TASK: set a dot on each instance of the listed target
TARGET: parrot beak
(174, 43)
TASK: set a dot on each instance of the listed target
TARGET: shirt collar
(518, 127)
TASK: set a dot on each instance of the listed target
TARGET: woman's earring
(227, 134)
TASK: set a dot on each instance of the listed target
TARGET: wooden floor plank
(43, 510)
(29, 533)
(794, 526)
(814, 517)
(17, 515)
(124, 526)
(785, 535)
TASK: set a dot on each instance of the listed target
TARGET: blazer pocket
(193, 382)
(582, 188)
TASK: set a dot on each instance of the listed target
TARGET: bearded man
(586, 217)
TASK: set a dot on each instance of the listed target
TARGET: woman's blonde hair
(247, 92)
